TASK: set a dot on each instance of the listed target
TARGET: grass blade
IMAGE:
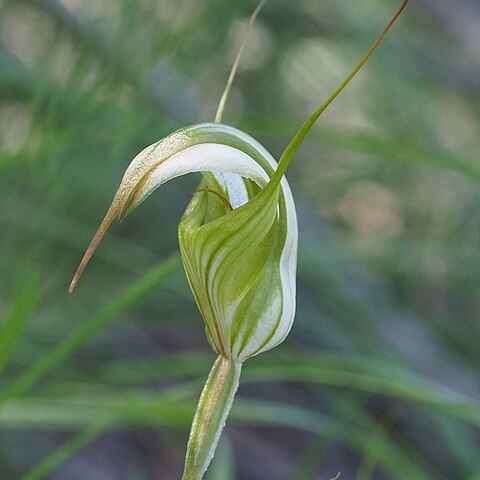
(123, 302)
(54, 460)
(16, 321)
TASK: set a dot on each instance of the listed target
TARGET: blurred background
(379, 379)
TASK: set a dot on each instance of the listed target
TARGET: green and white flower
(238, 236)
(238, 240)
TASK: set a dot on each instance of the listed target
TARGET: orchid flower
(238, 241)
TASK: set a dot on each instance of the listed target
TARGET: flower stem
(212, 411)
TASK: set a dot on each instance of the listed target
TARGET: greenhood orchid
(238, 240)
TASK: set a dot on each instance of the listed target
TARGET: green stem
(212, 411)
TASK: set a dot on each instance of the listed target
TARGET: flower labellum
(238, 241)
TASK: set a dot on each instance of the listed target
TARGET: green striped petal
(241, 265)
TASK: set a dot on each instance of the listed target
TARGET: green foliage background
(380, 376)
